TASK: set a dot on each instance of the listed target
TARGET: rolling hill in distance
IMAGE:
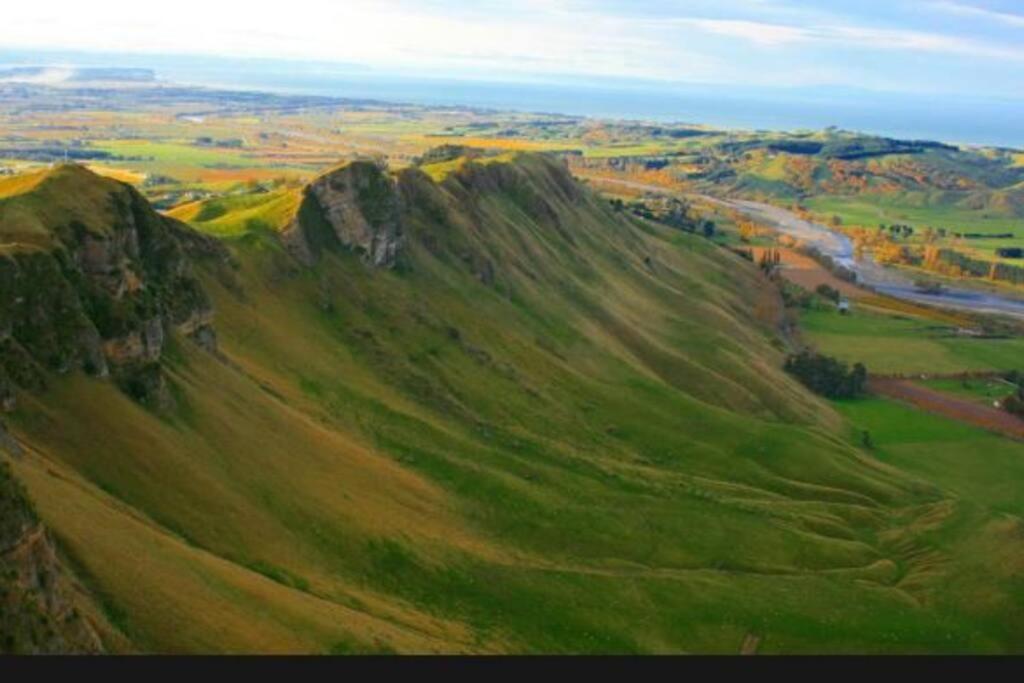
(466, 405)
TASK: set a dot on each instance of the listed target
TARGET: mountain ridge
(542, 408)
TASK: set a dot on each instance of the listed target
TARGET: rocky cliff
(355, 207)
(95, 282)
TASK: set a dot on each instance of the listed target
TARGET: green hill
(839, 164)
(478, 411)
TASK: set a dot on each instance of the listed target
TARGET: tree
(858, 379)
(1014, 403)
(708, 228)
(770, 260)
(748, 231)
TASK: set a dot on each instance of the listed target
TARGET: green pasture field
(896, 344)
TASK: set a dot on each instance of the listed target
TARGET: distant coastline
(981, 121)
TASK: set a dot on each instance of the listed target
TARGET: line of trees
(770, 260)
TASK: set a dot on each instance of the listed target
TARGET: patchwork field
(871, 211)
(892, 344)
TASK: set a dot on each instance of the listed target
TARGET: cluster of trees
(748, 230)
(830, 293)
(748, 254)
(952, 262)
(827, 376)
(232, 143)
(906, 231)
(984, 235)
(1010, 252)
(671, 212)
(865, 147)
(828, 263)
(932, 234)
(794, 296)
(1014, 403)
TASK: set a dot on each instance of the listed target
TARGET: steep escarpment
(94, 279)
(360, 207)
(530, 424)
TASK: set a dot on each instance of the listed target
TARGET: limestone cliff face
(101, 294)
(356, 208)
(40, 607)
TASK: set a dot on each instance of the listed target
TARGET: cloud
(756, 32)
(852, 36)
(982, 13)
(559, 38)
(778, 42)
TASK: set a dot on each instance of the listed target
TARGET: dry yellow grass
(11, 186)
(122, 174)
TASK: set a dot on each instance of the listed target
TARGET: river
(885, 280)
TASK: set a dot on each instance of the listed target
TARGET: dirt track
(940, 403)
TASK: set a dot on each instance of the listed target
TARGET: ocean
(947, 118)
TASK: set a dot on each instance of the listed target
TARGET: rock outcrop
(39, 603)
(102, 292)
(356, 208)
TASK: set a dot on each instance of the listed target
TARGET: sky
(964, 47)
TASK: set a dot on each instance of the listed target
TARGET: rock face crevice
(104, 294)
(355, 208)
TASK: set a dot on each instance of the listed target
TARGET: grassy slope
(32, 205)
(598, 453)
(977, 543)
(234, 216)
